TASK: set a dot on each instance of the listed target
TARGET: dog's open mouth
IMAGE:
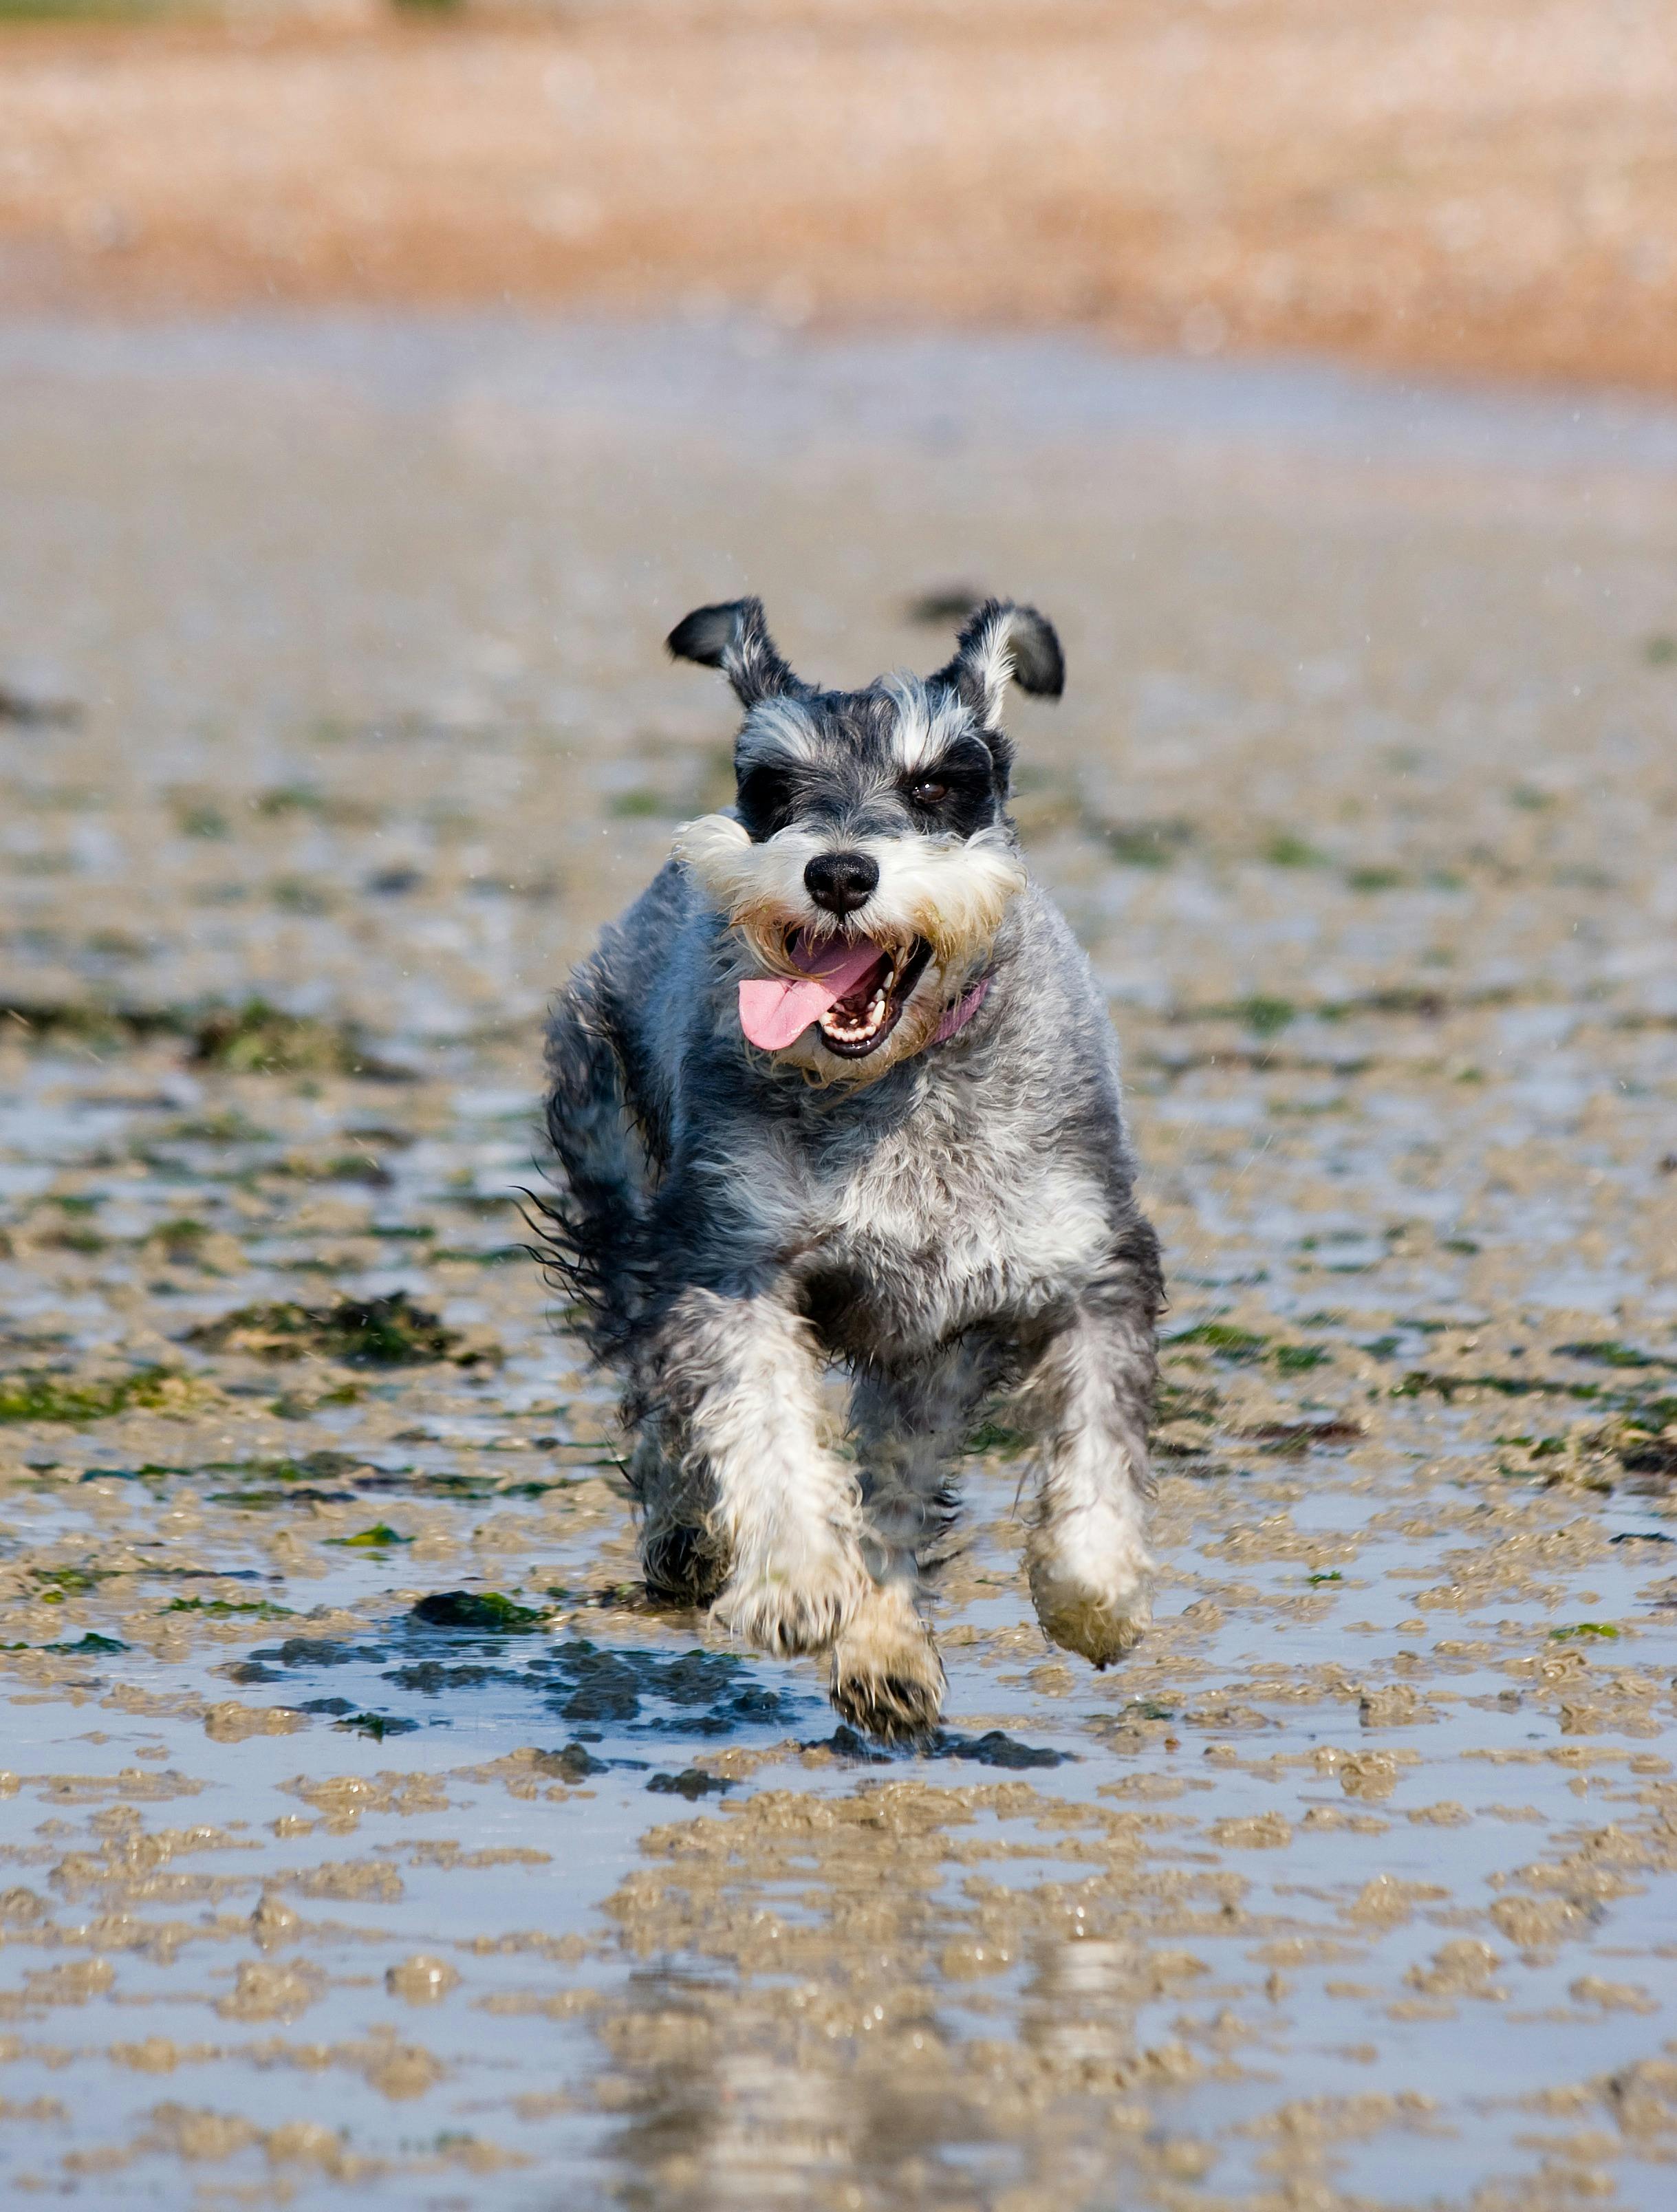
(865, 1017)
(854, 990)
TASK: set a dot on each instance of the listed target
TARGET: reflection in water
(896, 2025)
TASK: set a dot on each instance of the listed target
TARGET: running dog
(839, 1092)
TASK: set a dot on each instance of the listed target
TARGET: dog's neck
(956, 1017)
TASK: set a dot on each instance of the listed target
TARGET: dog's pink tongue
(776, 1009)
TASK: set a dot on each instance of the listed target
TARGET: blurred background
(1489, 185)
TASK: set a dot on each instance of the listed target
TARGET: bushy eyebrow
(927, 722)
(777, 733)
(968, 756)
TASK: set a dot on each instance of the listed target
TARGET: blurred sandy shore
(1491, 186)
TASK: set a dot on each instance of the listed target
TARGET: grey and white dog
(838, 1093)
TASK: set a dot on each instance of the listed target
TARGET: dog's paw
(786, 1609)
(887, 1676)
(1098, 1606)
(683, 1563)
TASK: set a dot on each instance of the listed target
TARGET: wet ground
(365, 1834)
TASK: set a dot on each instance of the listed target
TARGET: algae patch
(39, 1395)
(387, 1332)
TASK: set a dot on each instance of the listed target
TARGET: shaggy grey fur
(949, 1220)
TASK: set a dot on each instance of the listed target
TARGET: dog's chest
(938, 1225)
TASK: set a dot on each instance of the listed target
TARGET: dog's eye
(928, 791)
(765, 796)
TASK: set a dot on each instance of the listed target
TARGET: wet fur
(954, 1227)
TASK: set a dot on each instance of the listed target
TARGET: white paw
(1091, 1589)
(887, 1676)
(786, 1608)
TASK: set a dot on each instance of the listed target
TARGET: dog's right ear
(1002, 643)
(734, 638)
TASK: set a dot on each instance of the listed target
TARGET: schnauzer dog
(839, 1093)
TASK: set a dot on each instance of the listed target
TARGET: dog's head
(869, 859)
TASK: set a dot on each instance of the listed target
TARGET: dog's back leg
(912, 1425)
(594, 1220)
(593, 1232)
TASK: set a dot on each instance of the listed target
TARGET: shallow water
(1357, 1883)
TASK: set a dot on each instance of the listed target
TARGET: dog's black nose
(842, 881)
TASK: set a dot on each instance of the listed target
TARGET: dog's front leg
(911, 1422)
(728, 1393)
(1090, 1398)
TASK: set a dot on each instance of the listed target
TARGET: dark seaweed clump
(1610, 1353)
(484, 1610)
(431, 1677)
(300, 1651)
(253, 1038)
(692, 1783)
(994, 1748)
(572, 1762)
(587, 1684)
(390, 1332)
(691, 1693)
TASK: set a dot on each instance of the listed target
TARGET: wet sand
(337, 724)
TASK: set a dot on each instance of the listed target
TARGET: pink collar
(958, 1015)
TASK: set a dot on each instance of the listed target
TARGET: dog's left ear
(734, 637)
(1001, 642)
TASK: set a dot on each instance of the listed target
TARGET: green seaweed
(1421, 1382)
(1266, 1017)
(229, 1126)
(375, 1539)
(390, 1332)
(1146, 844)
(1286, 850)
(1239, 1346)
(70, 1581)
(1610, 1354)
(39, 1396)
(1299, 1358)
(1175, 1401)
(339, 1167)
(257, 1038)
(225, 1608)
(1374, 879)
(479, 1609)
(252, 1038)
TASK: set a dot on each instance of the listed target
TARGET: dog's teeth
(867, 1025)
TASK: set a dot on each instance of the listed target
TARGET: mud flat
(365, 1835)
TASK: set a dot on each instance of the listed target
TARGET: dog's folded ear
(1001, 643)
(734, 638)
